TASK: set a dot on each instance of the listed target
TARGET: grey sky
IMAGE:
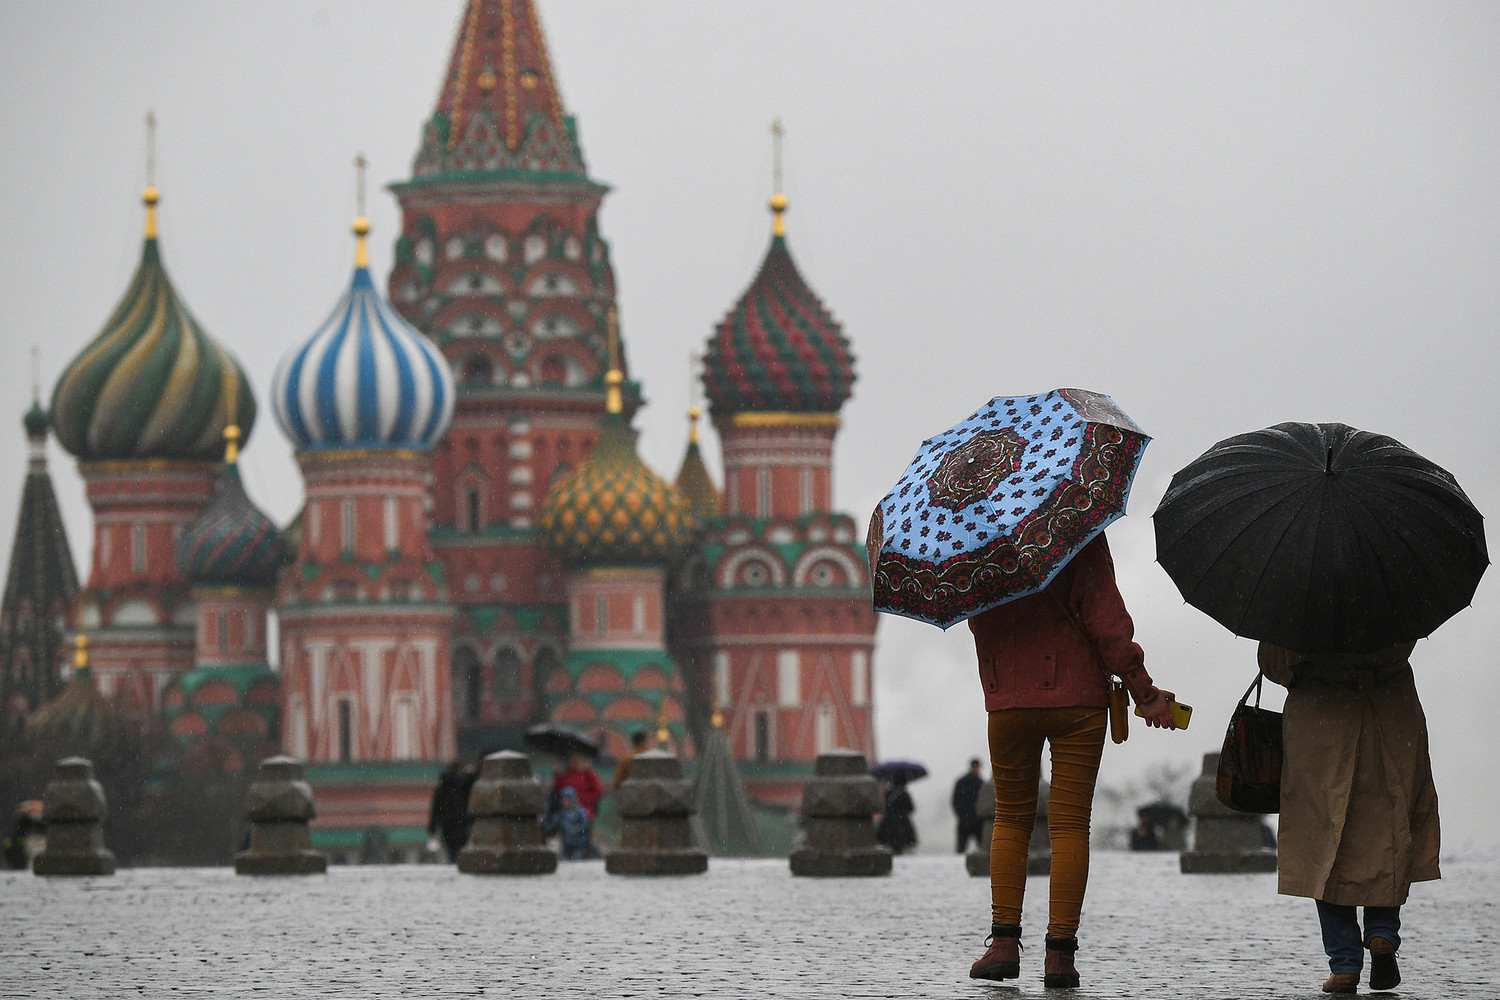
(1224, 215)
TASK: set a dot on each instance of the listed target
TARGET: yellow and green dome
(152, 384)
(613, 510)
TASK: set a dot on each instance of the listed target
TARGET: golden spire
(361, 224)
(694, 412)
(612, 400)
(718, 717)
(151, 196)
(778, 200)
(231, 444)
(663, 734)
(81, 652)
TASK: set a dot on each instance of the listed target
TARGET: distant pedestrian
(584, 781)
(1359, 814)
(448, 816)
(895, 829)
(965, 807)
(25, 836)
(637, 747)
(571, 823)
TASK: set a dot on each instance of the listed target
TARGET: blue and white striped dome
(366, 379)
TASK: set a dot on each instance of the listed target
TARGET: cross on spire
(151, 196)
(150, 149)
(776, 133)
(778, 199)
(361, 224)
(359, 184)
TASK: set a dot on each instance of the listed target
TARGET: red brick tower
(144, 408)
(501, 264)
(773, 613)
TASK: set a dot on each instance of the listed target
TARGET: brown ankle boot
(1384, 975)
(1002, 960)
(1060, 973)
(1342, 982)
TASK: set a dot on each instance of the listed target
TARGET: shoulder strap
(1083, 634)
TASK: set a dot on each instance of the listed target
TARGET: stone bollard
(655, 803)
(1224, 841)
(1038, 851)
(838, 806)
(278, 807)
(507, 804)
(73, 809)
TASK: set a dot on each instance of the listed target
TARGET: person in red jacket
(583, 780)
(1043, 682)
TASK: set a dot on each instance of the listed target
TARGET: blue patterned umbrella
(991, 509)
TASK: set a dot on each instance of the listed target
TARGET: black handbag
(1249, 778)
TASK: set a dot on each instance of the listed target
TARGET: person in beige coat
(1359, 814)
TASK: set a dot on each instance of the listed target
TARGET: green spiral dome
(152, 384)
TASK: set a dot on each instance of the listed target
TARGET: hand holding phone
(1181, 714)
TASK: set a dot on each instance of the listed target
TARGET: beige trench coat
(1359, 814)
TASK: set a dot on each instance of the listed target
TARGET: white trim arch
(730, 567)
(811, 557)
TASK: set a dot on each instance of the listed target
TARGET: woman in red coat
(1043, 682)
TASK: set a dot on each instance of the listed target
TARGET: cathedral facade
(481, 548)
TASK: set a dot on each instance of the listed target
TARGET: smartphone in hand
(1181, 714)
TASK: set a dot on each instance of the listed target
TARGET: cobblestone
(745, 929)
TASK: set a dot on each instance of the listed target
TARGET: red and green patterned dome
(152, 384)
(613, 510)
(778, 349)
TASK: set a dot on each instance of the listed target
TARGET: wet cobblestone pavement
(745, 929)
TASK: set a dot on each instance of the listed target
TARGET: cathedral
(480, 548)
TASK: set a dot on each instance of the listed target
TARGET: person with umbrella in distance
(895, 829)
(1337, 549)
(999, 521)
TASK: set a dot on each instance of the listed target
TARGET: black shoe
(1384, 975)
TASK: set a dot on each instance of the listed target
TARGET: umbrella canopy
(1320, 538)
(992, 508)
(560, 741)
(906, 770)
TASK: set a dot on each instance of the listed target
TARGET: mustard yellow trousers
(1076, 737)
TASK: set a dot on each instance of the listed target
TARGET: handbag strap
(1083, 634)
(1260, 675)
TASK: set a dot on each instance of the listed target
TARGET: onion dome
(694, 483)
(613, 510)
(366, 378)
(152, 384)
(230, 542)
(36, 420)
(778, 349)
(79, 719)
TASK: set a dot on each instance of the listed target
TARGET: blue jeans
(1341, 938)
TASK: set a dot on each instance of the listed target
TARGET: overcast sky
(1224, 215)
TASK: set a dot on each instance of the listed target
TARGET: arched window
(467, 684)
(507, 674)
(472, 519)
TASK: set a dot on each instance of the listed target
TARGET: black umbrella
(906, 770)
(1320, 538)
(560, 741)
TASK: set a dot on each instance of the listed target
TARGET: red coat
(1030, 656)
(586, 783)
